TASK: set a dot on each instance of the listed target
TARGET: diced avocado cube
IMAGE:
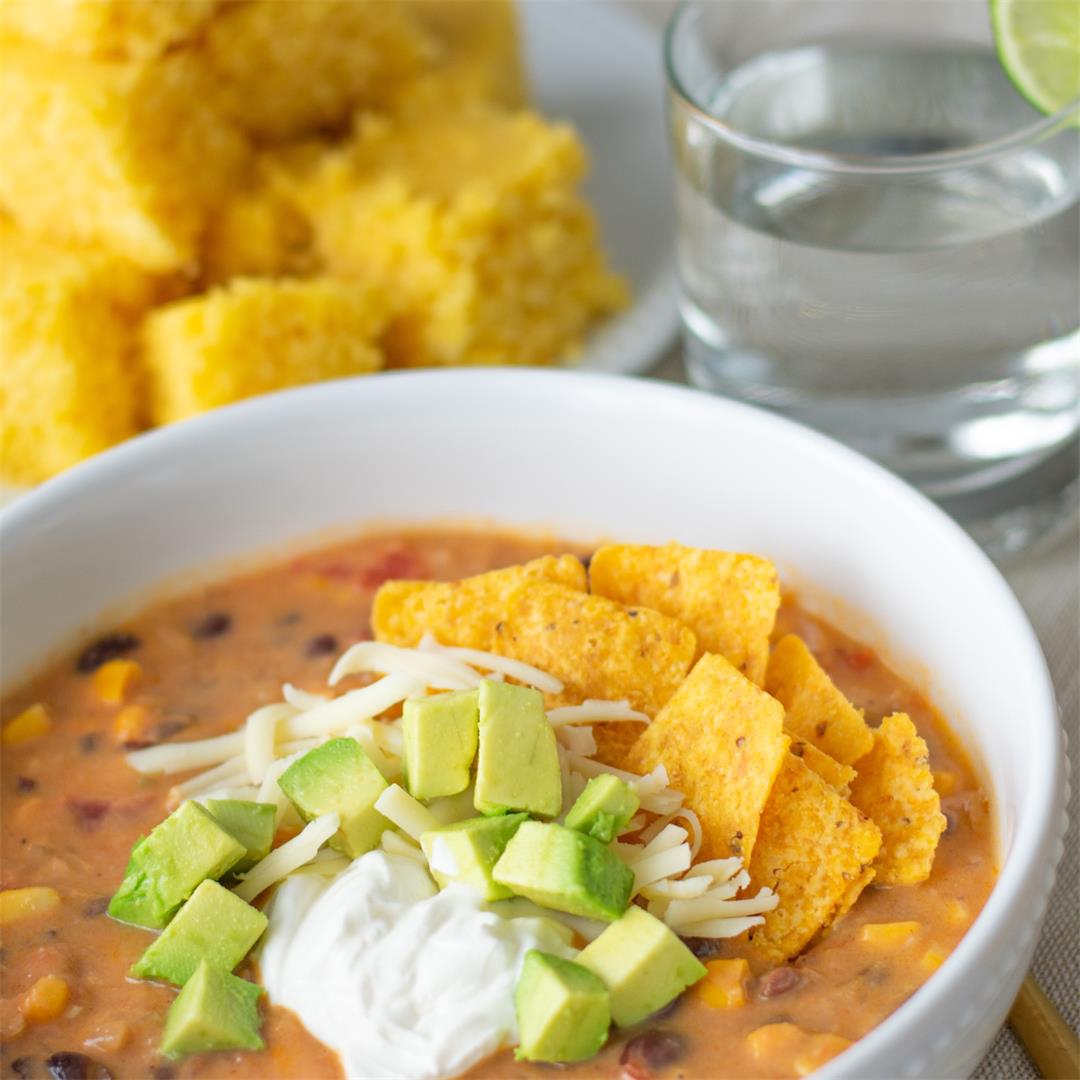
(339, 778)
(252, 823)
(440, 743)
(643, 964)
(214, 925)
(603, 808)
(563, 1010)
(214, 1011)
(467, 850)
(564, 869)
(165, 867)
(518, 763)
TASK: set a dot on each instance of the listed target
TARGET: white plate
(600, 67)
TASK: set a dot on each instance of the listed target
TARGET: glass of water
(879, 236)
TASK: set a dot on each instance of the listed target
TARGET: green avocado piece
(467, 850)
(214, 1011)
(339, 778)
(214, 925)
(440, 743)
(563, 1010)
(252, 823)
(518, 763)
(567, 870)
(165, 867)
(643, 964)
(603, 808)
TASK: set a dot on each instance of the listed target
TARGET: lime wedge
(1038, 43)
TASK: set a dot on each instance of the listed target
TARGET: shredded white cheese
(282, 861)
(181, 756)
(260, 735)
(408, 814)
(592, 711)
(393, 843)
(661, 865)
(578, 739)
(354, 707)
(440, 672)
(228, 774)
(301, 700)
(502, 665)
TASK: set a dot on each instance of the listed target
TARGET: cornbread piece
(461, 612)
(721, 739)
(67, 342)
(123, 156)
(479, 58)
(814, 850)
(256, 232)
(255, 336)
(474, 221)
(729, 601)
(280, 69)
(113, 29)
(816, 710)
(895, 787)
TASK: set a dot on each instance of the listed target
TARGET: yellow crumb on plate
(113, 29)
(257, 335)
(125, 156)
(474, 222)
(69, 384)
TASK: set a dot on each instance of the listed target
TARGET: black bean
(166, 729)
(704, 948)
(88, 812)
(23, 1067)
(25, 784)
(68, 1065)
(93, 908)
(655, 1049)
(779, 981)
(213, 624)
(105, 648)
(321, 645)
(89, 742)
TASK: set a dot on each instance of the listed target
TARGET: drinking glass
(879, 237)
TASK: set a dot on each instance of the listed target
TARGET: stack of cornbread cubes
(201, 200)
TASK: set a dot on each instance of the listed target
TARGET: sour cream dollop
(400, 979)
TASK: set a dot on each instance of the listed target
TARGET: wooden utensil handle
(1052, 1044)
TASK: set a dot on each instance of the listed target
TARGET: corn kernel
(723, 987)
(19, 904)
(946, 782)
(817, 1051)
(889, 933)
(45, 1000)
(933, 958)
(775, 1040)
(130, 724)
(31, 723)
(957, 911)
(116, 679)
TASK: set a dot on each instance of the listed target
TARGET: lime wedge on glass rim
(1038, 43)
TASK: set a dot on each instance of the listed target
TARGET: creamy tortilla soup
(780, 887)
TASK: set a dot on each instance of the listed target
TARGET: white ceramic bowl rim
(1035, 846)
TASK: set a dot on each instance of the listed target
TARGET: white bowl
(592, 456)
